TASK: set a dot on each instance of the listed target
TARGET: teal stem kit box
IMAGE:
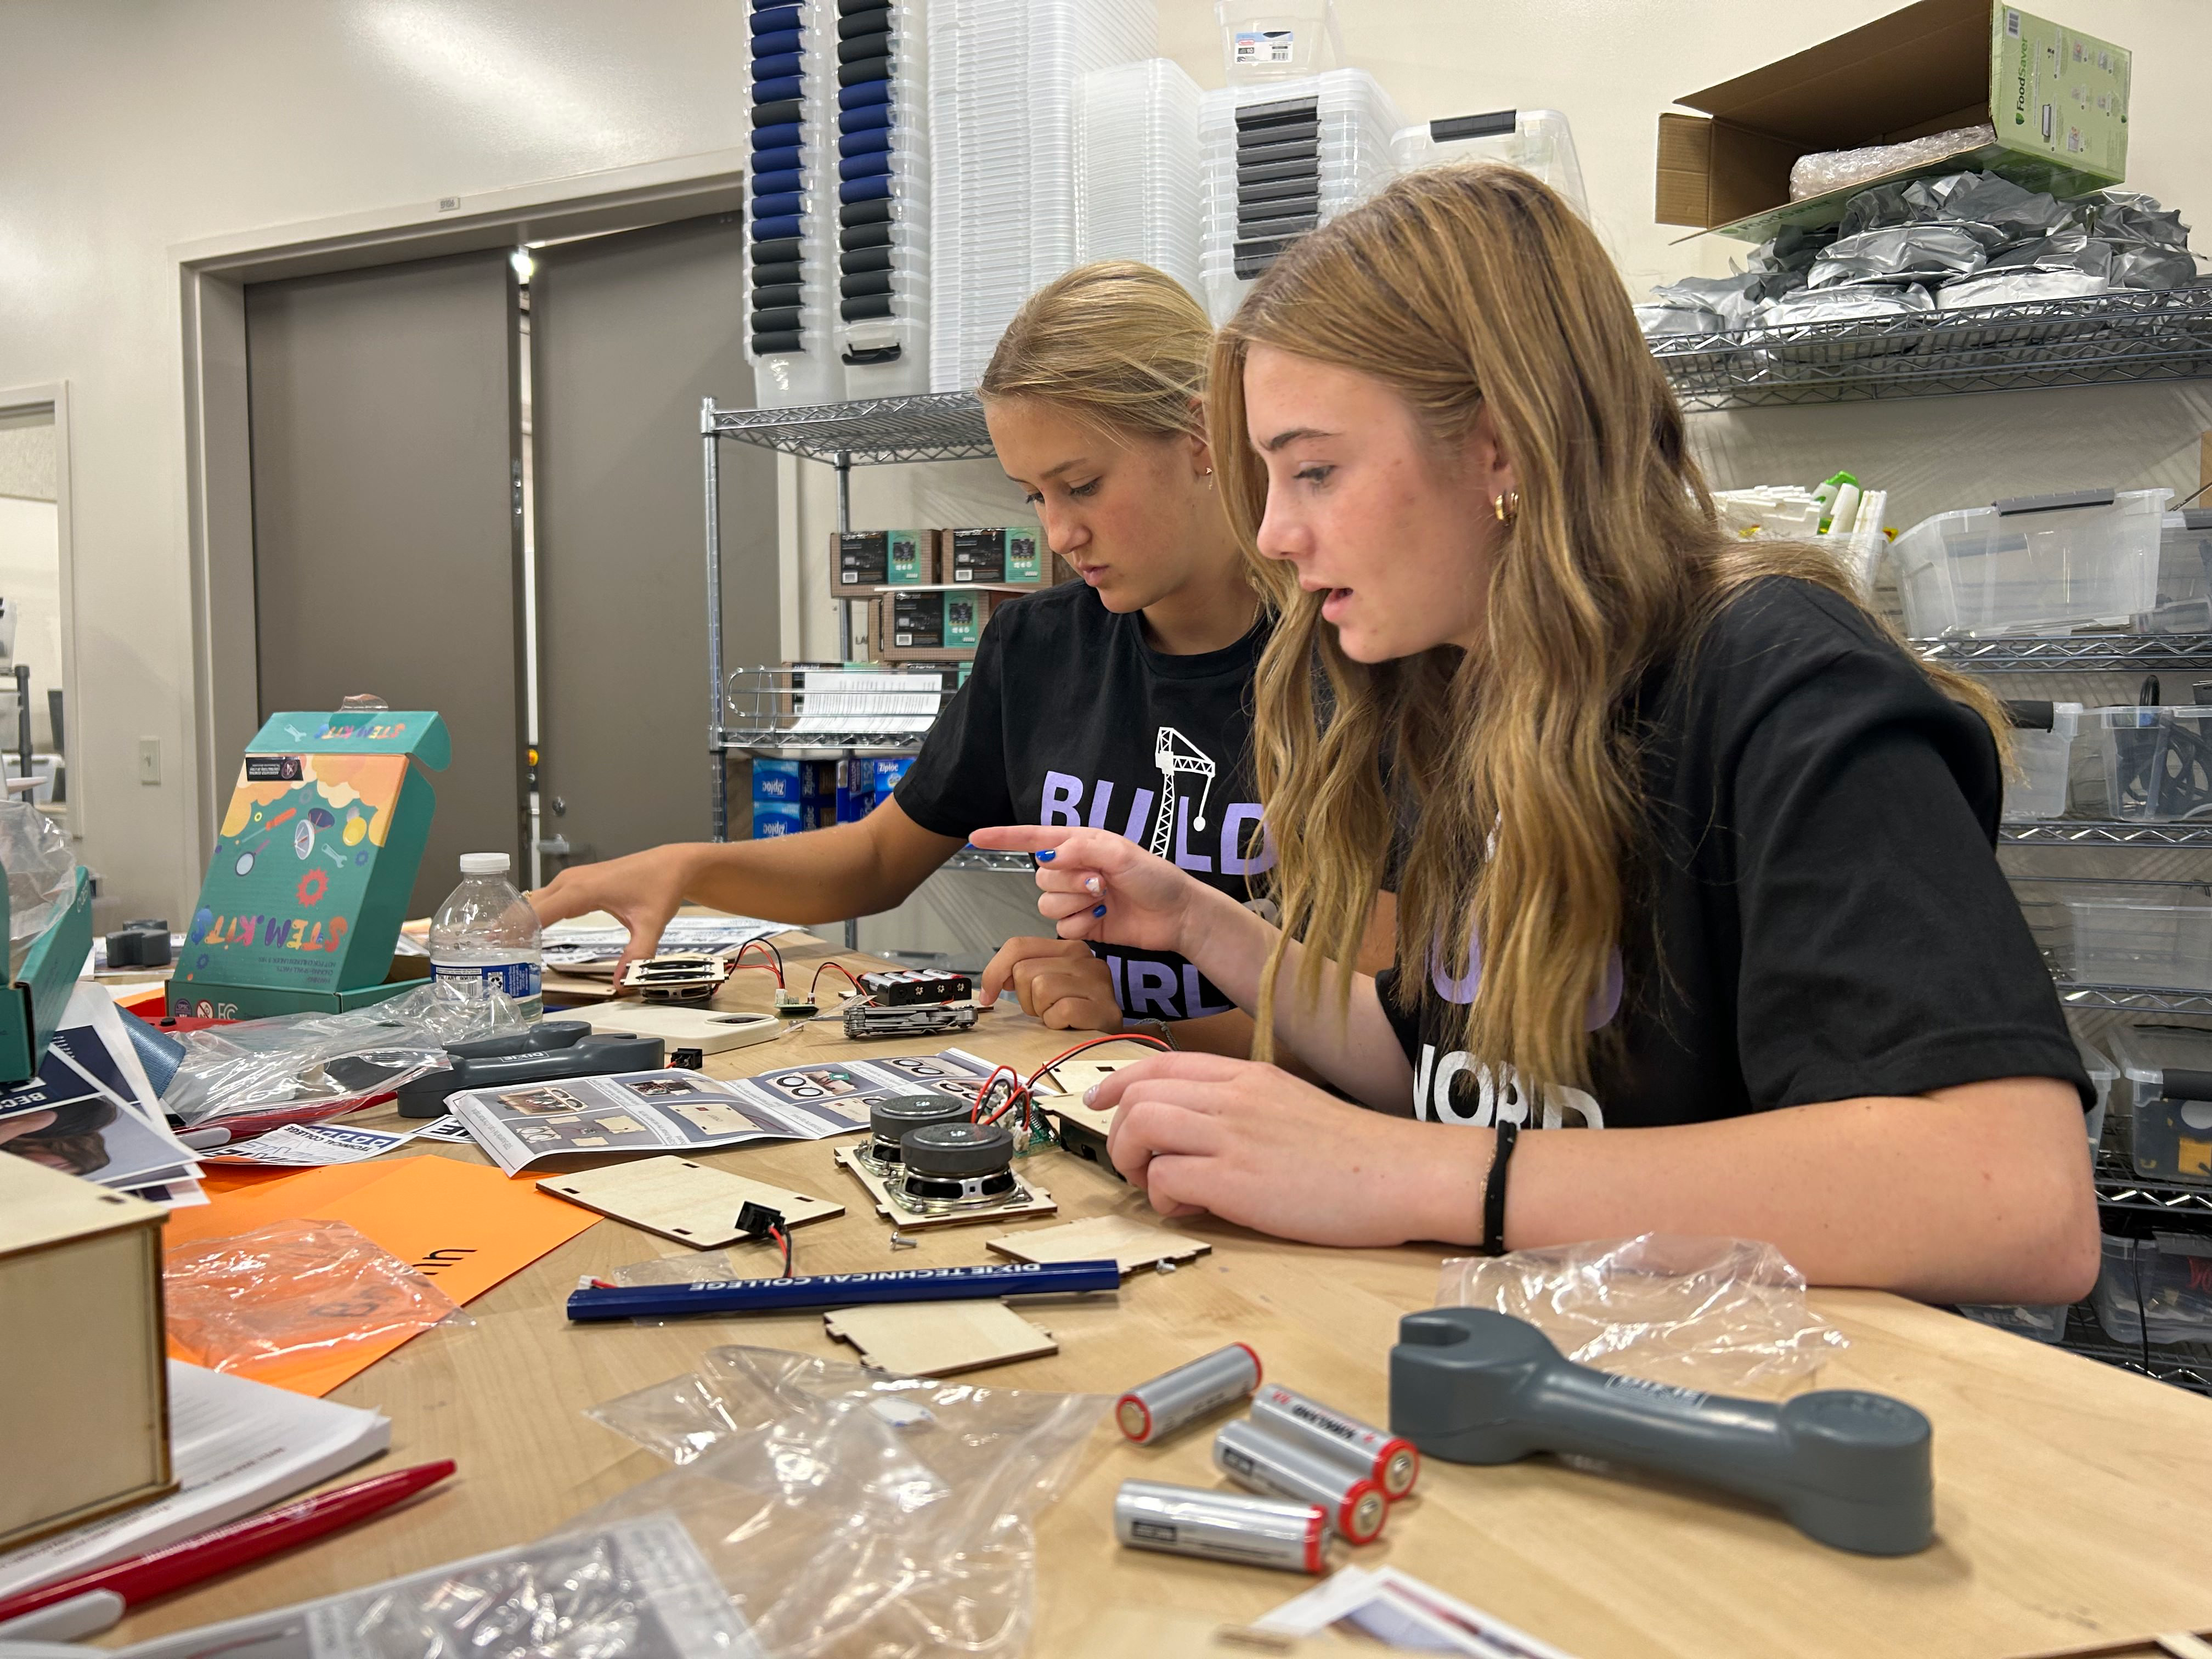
(882, 558)
(313, 867)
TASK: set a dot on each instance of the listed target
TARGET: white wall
(128, 129)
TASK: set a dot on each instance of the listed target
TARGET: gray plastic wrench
(1847, 1467)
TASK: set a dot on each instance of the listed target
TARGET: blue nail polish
(1044, 858)
(1098, 910)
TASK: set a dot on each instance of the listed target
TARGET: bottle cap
(483, 864)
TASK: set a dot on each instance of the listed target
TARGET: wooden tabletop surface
(2073, 1499)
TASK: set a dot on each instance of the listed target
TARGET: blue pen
(821, 1291)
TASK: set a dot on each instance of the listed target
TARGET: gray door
(385, 539)
(628, 333)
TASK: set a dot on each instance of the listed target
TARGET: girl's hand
(1058, 979)
(1255, 1146)
(1098, 885)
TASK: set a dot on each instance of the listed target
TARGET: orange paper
(463, 1226)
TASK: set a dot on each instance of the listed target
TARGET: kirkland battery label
(519, 980)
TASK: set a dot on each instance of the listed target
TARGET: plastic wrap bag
(637, 1589)
(1839, 169)
(2014, 287)
(1725, 1316)
(41, 876)
(339, 1062)
(292, 1288)
(1902, 252)
(1853, 304)
(848, 1515)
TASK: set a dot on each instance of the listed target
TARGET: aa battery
(1221, 1526)
(1153, 1411)
(1259, 1461)
(1390, 1462)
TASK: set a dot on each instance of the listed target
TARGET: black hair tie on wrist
(1494, 1191)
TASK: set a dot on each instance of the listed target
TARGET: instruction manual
(686, 1112)
(92, 1111)
(596, 939)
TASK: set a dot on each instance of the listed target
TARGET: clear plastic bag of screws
(849, 1513)
(1725, 1316)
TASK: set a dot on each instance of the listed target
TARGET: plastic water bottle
(486, 933)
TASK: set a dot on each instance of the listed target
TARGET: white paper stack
(1281, 160)
(1002, 94)
(790, 261)
(1137, 168)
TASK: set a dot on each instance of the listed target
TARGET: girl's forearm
(1351, 1046)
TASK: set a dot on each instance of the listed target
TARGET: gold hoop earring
(1507, 506)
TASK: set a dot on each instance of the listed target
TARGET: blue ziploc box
(778, 781)
(818, 781)
(775, 817)
(885, 772)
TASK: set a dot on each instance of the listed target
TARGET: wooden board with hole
(682, 1200)
(1131, 1243)
(937, 1339)
(1040, 1202)
(1075, 1076)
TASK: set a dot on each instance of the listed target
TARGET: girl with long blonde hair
(1700, 856)
(1095, 402)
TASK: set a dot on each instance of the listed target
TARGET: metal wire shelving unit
(2104, 832)
(2095, 340)
(2071, 653)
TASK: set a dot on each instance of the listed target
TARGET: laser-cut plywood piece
(937, 1339)
(682, 1200)
(1039, 1202)
(1130, 1244)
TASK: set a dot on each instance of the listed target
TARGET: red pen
(206, 1555)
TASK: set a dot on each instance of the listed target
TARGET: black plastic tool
(1845, 1467)
(546, 1052)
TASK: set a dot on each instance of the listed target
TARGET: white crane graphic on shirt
(1175, 754)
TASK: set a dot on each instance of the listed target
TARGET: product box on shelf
(2037, 564)
(2169, 1073)
(882, 558)
(1011, 556)
(2155, 1290)
(933, 625)
(797, 782)
(2056, 100)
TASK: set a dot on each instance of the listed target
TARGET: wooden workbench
(2072, 1499)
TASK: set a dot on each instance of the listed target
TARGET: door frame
(213, 276)
(53, 396)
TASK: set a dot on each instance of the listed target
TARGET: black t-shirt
(1070, 717)
(1821, 915)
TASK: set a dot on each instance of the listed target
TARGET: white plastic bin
(2158, 762)
(2163, 1282)
(2103, 1075)
(2141, 944)
(2031, 566)
(1537, 140)
(2043, 759)
(2169, 1073)
(1264, 40)
(2184, 576)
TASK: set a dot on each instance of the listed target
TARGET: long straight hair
(1465, 288)
(1117, 344)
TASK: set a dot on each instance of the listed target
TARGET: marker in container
(1390, 1462)
(1221, 1526)
(1153, 1411)
(1258, 1462)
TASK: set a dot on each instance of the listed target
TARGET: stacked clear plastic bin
(789, 270)
(2039, 565)
(883, 199)
(1536, 140)
(1137, 168)
(1002, 93)
(1281, 160)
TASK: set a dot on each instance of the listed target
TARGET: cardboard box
(2058, 99)
(797, 782)
(313, 867)
(87, 1429)
(862, 559)
(933, 625)
(1009, 556)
